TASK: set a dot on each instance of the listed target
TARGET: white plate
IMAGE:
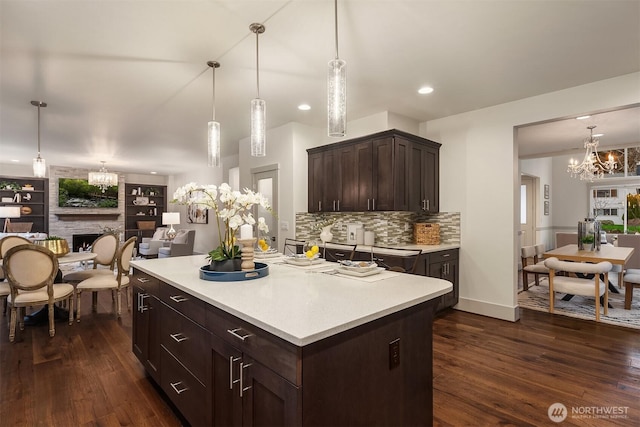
(357, 273)
(262, 255)
(358, 266)
(303, 261)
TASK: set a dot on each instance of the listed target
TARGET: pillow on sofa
(159, 234)
(181, 236)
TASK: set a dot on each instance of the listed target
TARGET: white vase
(326, 234)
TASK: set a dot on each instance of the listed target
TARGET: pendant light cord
(213, 98)
(335, 3)
(257, 68)
(38, 129)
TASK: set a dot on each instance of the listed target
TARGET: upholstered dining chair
(7, 243)
(536, 268)
(577, 285)
(292, 246)
(31, 270)
(106, 249)
(111, 282)
(389, 258)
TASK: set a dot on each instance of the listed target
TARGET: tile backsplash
(391, 228)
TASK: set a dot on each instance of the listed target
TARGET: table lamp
(7, 212)
(170, 218)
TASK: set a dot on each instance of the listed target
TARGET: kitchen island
(298, 347)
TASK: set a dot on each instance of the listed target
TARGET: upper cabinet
(378, 172)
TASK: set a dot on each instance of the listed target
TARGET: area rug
(537, 298)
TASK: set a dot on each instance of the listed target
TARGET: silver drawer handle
(339, 254)
(446, 255)
(179, 337)
(242, 387)
(235, 334)
(143, 279)
(175, 388)
(178, 298)
(231, 380)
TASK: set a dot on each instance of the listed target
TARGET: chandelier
(591, 167)
(103, 179)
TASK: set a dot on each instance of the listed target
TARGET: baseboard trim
(484, 308)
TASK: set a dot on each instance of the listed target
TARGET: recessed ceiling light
(425, 90)
(304, 107)
(15, 160)
(582, 117)
(153, 172)
(598, 135)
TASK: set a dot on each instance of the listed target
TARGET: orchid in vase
(232, 209)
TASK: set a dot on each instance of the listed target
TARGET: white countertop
(299, 306)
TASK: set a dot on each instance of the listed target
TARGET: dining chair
(339, 252)
(31, 270)
(578, 285)
(293, 246)
(106, 248)
(537, 268)
(7, 243)
(112, 282)
(389, 258)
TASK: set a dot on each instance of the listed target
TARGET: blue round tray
(261, 270)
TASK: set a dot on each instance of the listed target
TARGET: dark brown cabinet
(373, 173)
(31, 195)
(145, 336)
(444, 265)
(144, 205)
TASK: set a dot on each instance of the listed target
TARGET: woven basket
(146, 225)
(426, 234)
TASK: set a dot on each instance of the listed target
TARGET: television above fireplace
(77, 193)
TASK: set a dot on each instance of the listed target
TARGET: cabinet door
(225, 370)
(447, 270)
(140, 326)
(145, 331)
(363, 170)
(382, 193)
(330, 175)
(349, 175)
(268, 399)
(431, 179)
(315, 182)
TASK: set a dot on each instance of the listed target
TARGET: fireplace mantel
(87, 216)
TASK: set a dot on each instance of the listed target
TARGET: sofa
(181, 245)
(149, 246)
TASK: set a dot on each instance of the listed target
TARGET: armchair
(181, 245)
(148, 248)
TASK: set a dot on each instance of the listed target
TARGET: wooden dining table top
(614, 254)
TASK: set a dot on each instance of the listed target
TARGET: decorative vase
(234, 264)
(326, 234)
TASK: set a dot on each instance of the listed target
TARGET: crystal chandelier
(591, 167)
(39, 165)
(258, 106)
(103, 179)
(214, 127)
(337, 91)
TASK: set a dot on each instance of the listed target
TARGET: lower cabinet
(220, 370)
(444, 265)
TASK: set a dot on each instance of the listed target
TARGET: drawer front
(278, 355)
(185, 391)
(184, 303)
(144, 281)
(187, 341)
(443, 256)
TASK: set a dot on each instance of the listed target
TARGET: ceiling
(127, 81)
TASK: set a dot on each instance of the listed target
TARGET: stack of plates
(269, 253)
(302, 260)
(359, 268)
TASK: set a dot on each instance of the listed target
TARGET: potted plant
(232, 210)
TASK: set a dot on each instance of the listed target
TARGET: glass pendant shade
(214, 144)
(337, 98)
(39, 167)
(258, 127)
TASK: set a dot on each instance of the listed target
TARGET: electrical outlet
(284, 225)
(394, 354)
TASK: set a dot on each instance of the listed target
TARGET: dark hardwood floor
(486, 372)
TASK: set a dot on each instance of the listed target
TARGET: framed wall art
(546, 207)
(546, 191)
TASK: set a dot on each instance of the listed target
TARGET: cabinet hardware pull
(334, 205)
(175, 388)
(235, 334)
(338, 205)
(446, 255)
(427, 204)
(231, 380)
(179, 337)
(374, 204)
(242, 387)
(178, 298)
(368, 205)
(143, 279)
(319, 206)
(424, 204)
(141, 306)
(339, 254)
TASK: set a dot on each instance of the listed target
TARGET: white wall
(479, 178)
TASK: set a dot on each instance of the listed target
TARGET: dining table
(617, 255)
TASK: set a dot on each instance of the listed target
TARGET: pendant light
(39, 165)
(214, 127)
(337, 91)
(258, 106)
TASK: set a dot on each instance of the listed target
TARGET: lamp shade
(9, 211)
(170, 218)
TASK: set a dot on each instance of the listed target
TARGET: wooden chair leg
(12, 325)
(597, 281)
(628, 295)
(78, 301)
(537, 276)
(118, 302)
(70, 303)
(52, 322)
(525, 283)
